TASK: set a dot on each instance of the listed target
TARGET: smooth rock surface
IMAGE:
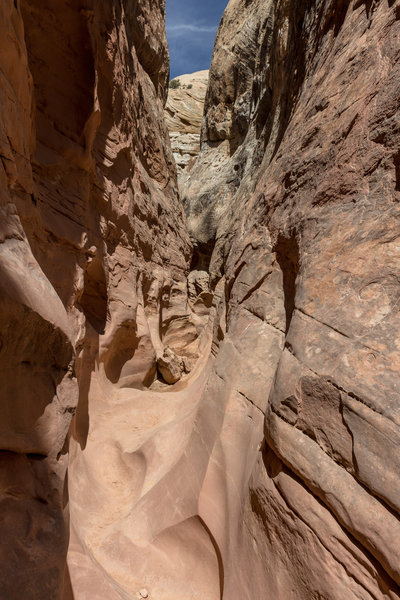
(93, 263)
(300, 216)
(229, 420)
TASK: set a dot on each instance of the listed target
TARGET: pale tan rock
(89, 212)
(293, 199)
(187, 490)
(183, 115)
(169, 365)
(232, 137)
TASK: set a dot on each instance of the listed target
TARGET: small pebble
(144, 593)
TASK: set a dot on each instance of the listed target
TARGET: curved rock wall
(230, 440)
(302, 131)
(93, 254)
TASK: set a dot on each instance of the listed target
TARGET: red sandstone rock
(90, 225)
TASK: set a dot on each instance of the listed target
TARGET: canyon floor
(199, 304)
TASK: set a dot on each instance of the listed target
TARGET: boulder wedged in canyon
(231, 428)
(183, 115)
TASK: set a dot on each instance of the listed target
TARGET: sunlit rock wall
(294, 200)
(229, 432)
(93, 255)
(183, 115)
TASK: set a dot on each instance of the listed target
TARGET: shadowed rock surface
(229, 419)
(93, 259)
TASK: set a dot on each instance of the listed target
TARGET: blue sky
(191, 28)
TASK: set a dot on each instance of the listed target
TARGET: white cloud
(193, 28)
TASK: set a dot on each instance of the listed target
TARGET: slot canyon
(200, 304)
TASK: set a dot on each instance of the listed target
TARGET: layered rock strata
(301, 217)
(93, 261)
(225, 441)
(183, 115)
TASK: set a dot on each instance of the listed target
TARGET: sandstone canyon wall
(183, 115)
(93, 242)
(301, 218)
(229, 420)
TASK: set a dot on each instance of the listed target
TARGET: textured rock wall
(183, 115)
(237, 122)
(301, 218)
(93, 254)
(269, 469)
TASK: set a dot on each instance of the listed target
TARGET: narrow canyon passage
(199, 328)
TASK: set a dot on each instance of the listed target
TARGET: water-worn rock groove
(200, 387)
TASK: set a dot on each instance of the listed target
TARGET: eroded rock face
(230, 432)
(183, 115)
(237, 123)
(93, 257)
(302, 129)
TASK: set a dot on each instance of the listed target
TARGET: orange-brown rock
(183, 115)
(93, 246)
(301, 133)
(231, 429)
